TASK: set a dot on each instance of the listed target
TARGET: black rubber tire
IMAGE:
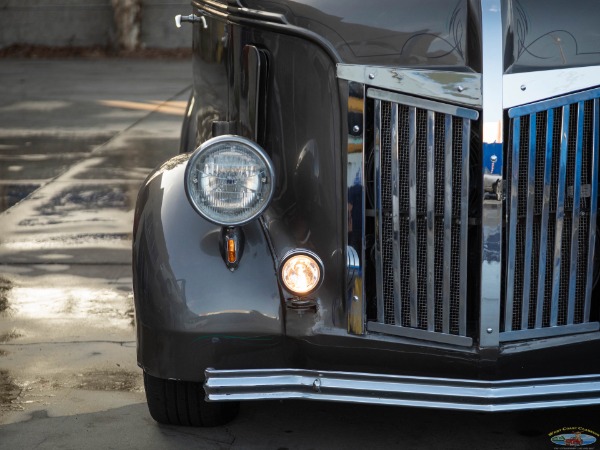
(175, 402)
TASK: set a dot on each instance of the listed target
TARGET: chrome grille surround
(375, 304)
(551, 210)
(421, 197)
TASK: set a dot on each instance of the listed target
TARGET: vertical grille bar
(529, 223)
(447, 222)
(412, 215)
(512, 230)
(576, 213)
(430, 221)
(560, 215)
(464, 224)
(378, 224)
(593, 208)
(545, 215)
(396, 213)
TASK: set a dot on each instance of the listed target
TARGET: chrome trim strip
(560, 215)
(545, 215)
(445, 393)
(422, 335)
(448, 225)
(430, 217)
(356, 302)
(412, 214)
(396, 214)
(456, 87)
(429, 105)
(378, 221)
(529, 221)
(512, 206)
(491, 211)
(554, 103)
(561, 330)
(576, 213)
(562, 340)
(523, 88)
(593, 210)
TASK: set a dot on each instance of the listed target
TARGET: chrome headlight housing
(229, 180)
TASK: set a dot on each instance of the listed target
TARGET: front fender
(189, 306)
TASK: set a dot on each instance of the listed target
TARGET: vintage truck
(389, 202)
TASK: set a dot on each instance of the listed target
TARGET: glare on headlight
(301, 272)
(229, 180)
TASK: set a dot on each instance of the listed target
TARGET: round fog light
(301, 272)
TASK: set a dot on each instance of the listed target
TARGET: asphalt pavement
(77, 138)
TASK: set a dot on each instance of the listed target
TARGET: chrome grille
(421, 198)
(551, 207)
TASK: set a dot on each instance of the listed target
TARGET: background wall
(84, 23)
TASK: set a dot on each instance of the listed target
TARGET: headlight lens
(229, 180)
(301, 272)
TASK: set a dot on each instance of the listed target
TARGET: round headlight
(229, 180)
(301, 272)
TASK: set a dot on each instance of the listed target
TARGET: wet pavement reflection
(11, 194)
(27, 162)
(70, 171)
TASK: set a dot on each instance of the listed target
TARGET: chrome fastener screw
(356, 129)
(489, 330)
(317, 385)
(371, 76)
(460, 88)
(523, 87)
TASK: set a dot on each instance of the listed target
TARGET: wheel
(174, 402)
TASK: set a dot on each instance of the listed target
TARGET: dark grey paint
(192, 312)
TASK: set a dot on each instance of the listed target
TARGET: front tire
(174, 402)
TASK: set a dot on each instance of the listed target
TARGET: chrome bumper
(443, 393)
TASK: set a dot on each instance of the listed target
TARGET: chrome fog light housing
(229, 180)
(301, 272)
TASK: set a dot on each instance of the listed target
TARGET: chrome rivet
(356, 129)
(371, 76)
(460, 88)
(355, 298)
(489, 330)
(317, 385)
(523, 87)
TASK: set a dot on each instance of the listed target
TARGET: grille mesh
(563, 273)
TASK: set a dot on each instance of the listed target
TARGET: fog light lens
(229, 180)
(301, 272)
